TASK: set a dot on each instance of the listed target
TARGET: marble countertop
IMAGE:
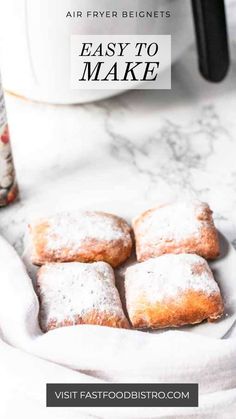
(145, 146)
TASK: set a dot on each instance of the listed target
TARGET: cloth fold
(30, 359)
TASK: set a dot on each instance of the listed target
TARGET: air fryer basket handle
(212, 39)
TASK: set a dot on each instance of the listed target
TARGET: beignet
(180, 227)
(86, 236)
(171, 291)
(78, 293)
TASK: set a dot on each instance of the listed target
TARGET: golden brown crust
(191, 308)
(93, 318)
(204, 243)
(170, 291)
(78, 293)
(92, 249)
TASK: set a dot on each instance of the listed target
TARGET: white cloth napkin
(30, 359)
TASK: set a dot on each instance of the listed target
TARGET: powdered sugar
(168, 276)
(71, 230)
(72, 289)
(176, 221)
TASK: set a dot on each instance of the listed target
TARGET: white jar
(8, 186)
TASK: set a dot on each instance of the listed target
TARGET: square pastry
(78, 293)
(80, 236)
(171, 291)
(180, 227)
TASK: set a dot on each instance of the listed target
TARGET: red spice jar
(8, 186)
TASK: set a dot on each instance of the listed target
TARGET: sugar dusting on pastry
(178, 227)
(81, 236)
(168, 276)
(173, 222)
(69, 290)
(72, 229)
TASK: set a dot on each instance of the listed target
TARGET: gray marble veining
(142, 145)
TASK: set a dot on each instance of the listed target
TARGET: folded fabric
(30, 359)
